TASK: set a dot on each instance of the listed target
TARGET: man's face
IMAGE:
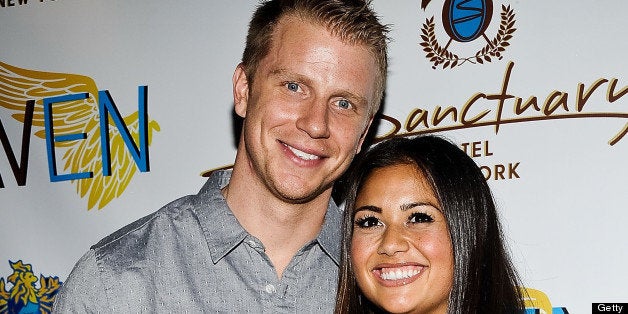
(308, 110)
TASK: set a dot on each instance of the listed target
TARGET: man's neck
(282, 227)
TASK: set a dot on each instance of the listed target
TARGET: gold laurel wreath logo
(440, 56)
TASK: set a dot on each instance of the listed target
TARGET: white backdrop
(562, 201)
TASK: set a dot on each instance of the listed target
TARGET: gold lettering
(610, 94)
(619, 135)
(551, 106)
(396, 126)
(582, 99)
(612, 97)
(468, 117)
(411, 124)
(503, 95)
(468, 105)
(486, 150)
(438, 117)
(532, 101)
(476, 149)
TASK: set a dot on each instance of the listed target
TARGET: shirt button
(270, 288)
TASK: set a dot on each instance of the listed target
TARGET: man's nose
(314, 119)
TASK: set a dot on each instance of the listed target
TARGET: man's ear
(240, 90)
(364, 133)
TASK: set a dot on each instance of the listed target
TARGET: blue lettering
(107, 106)
(51, 139)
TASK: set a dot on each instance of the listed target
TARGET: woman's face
(401, 249)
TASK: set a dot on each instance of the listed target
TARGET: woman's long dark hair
(485, 280)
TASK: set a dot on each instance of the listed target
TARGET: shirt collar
(223, 232)
(330, 236)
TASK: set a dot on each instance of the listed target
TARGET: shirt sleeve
(83, 291)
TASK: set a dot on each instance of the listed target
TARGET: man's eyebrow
(357, 99)
(278, 72)
(286, 74)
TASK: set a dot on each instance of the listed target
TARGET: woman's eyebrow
(407, 206)
(368, 208)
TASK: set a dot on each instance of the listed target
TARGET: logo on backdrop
(498, 108)
(466, 21)
(23, 296)
(100, 154)
(537, 302)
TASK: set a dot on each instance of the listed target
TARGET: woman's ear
(240, 90)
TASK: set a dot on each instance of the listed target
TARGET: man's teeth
(392, 274)
(302, 155)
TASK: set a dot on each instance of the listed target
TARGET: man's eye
(367, 222)
(420, 218)
(292, 86)
(344, 104)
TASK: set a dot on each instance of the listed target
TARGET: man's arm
(83, 291)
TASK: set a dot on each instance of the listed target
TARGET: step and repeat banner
(535, 91)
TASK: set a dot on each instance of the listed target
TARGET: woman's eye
(420, 218)
(294, 87)
(367, 222)
(344, 104)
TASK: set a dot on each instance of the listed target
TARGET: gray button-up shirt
(193, 256)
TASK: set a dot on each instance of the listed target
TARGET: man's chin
(299, 194)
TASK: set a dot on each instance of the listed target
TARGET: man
(264, 237)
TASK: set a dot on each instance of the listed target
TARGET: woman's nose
(393, 241)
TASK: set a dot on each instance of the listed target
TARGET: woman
(421, 234)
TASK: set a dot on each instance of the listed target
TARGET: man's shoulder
(157, 234)
(88, 285)
(167, 213)
(133, 240)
